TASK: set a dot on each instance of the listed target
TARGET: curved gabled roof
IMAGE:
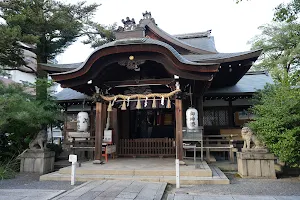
(148, 23)
(177, 63)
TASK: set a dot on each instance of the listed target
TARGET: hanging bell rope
(124, 98)
(141, 96)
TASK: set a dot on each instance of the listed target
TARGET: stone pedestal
(256, 163)
(37, 161)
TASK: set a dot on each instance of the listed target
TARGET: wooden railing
(147, 147)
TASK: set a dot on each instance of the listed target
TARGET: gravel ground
(239, 186)
(31, 181)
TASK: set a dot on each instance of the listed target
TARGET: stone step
(192, 173)
(185, 170)
(217, 178)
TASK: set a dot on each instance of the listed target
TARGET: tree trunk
(42, 80)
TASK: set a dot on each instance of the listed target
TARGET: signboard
(72, 158)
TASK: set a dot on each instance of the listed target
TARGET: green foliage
(11, 55)
(50, 25)
(277, 122)
(105, 32)
(287, 12)
(9, 168)
(239, 1)
(281, 50)
(21, 117)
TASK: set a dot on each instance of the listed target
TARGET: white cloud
(233, 25)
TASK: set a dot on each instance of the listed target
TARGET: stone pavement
(228, 197)
(28, 194)
(117, 190)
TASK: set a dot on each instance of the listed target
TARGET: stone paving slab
(28, 194)
(116, 190)
(228, 197)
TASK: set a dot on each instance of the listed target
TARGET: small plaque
(72, 158)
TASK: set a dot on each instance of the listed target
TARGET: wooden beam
(99, 132)
(179, 140)
(124, 83)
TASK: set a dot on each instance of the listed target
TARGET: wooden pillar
(115, 127)
(99, 132)
(65, 122)
(92, 121)
(201, 112)
(230, 114)
(178, 115)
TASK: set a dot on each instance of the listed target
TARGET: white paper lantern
(82, 121)
(192, 118)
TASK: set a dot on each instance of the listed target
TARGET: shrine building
(141, 85)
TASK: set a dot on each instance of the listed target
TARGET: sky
(232, 25)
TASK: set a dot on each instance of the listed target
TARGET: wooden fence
(147, 147)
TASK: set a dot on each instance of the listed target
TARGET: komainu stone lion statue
(249, 136)
(40, 141)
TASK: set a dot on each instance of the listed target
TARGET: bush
(21, 118)
(8, 169)
(56, 148)
(277, 121)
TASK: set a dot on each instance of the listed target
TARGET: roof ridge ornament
(129, 24)
(147, 15)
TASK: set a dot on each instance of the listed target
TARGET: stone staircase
(189, 175)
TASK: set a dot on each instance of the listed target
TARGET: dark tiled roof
(220, 57)
(68, 94)
(250, 83)
(189, 59)
(193, 35)
(180, 40)
(205, 43)
(66, 67)
(7, 81)
(130, 41)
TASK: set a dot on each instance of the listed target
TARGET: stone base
(98, 162)
(256, 163)
(37, 161)
(255, 150)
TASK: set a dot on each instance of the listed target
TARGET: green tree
(277, 121)
(281, 50)
(21, 117)
(50, 25)
(287, 12)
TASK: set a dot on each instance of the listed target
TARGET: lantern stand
(192, 132)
